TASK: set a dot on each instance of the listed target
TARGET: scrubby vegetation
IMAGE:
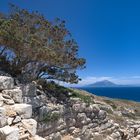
(51, 117)
(85, 98)
(111, 103)
(32, 47)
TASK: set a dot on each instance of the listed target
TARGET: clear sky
(107, 31)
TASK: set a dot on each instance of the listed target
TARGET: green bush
(85, 98)
(51, 117)
(111, 103)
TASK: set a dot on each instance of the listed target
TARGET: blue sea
(129, 93)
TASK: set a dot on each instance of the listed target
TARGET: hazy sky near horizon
(107, 31)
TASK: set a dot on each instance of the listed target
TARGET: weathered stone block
(29, 90)
(23, 110)
(15, 94)
(9, 133)
(30, 125)
(6, 82)
(3, 120)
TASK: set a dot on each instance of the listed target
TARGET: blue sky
(107, 31)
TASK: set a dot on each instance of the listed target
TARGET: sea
(128, 93)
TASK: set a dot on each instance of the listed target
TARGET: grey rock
(102, 114)
(29, 90)
(3, 120)
(116, 135)
(34, 101)
(10, 120)
(138, 137)
(82, 119)
(57, 136)
(95, 109)
(9, 101)
(42, 112)
(6, 96)
(71, 129)
(24, 110)
(106, 126)
(30, 125)
(17, 119)
(78, 107)
(1, 100)
(15, 94)
(6, 82)
(9, 133)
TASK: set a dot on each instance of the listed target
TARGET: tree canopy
(32, 47)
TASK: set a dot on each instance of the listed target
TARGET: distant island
(104, 83)
(107, 83)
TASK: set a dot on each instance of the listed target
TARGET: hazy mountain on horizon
(104, 83)
(107, 83)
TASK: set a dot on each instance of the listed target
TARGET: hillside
(57, 113)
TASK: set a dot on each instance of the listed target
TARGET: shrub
(51, 117)
(85, 98)
(111, 103)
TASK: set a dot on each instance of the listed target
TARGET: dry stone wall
(16, 121)
(27, 112)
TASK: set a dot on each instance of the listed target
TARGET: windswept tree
(31, 47)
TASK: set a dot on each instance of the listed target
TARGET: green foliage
(52, 87)
(111, 103)
(85, 98)
(36, 48)
(51, 117)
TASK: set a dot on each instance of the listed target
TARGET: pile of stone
(22, 106)
(88, 121)
(16, 121)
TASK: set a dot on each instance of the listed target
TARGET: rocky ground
(16, 122)
(30, 112)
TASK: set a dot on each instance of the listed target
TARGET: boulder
(23, 110)
(15, 94)
(29, 90)
(5, 96)
(95, 109)
(34, 101)
(116, 135)
(42, 112)
(138, 137)
(3, 120)
(9, 133)
(79, 107)
(138, 131)
(57, 136)
(10, 120)
(106, 126)
(102, 114)
(6, 82)
(30, 125)
(10, 112)
(17, 119)
(82, 119)
(9, 101)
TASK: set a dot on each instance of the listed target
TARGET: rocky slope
(15, 116)
(30, 112)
